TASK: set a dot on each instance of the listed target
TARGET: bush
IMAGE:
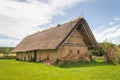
(118, 57)
(94, 52)
(97, 52)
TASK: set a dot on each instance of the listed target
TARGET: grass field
(18, 70)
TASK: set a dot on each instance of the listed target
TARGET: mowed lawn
(20, 70)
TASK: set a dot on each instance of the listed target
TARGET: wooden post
(74, 44)
(66, 49)
(58, 53)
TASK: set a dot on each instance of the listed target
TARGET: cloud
(116, 19)
(111, 23)
(19, 18)
(110, 32)
(4, 42)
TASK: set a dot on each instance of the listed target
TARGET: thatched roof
(53, 38)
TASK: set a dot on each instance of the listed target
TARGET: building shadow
(84, 64)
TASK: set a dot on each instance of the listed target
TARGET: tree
(7, 50)
(109, 54)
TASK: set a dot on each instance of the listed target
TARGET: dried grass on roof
(51, 38)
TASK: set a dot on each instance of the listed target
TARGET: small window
(78, 51)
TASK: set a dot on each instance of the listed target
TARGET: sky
(20, 18)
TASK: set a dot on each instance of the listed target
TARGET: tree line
(6, 50)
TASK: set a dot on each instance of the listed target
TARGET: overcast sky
(19, 18)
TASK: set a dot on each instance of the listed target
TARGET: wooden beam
(72, 44)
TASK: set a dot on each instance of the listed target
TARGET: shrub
(118, 57)
(94, 52)
(97, 52)
(101, 52)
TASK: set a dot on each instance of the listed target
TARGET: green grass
(19, 70)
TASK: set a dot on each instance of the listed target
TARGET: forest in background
(6, 50)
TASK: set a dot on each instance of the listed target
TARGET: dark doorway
(47, 56)
(35, 55)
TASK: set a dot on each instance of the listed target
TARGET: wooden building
(58, 43)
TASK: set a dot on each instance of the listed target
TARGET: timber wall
(74, 44)
(41, 55)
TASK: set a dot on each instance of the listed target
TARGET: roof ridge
(56, 26)
(50, 28)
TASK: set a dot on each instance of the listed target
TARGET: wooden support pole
(58, 53)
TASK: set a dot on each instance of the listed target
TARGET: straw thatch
(53, 38)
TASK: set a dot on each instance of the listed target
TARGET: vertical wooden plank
(66, 48)
(58, 53)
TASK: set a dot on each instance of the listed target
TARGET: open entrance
(35, 55)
